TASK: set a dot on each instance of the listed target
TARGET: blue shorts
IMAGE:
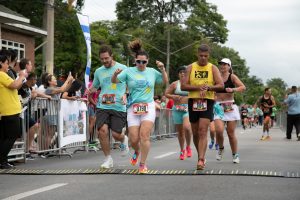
(91, 111)
(178, 116)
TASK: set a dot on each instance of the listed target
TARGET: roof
(14, 21)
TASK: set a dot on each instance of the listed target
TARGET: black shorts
(116, 120)
(10, 127)
(196, 115)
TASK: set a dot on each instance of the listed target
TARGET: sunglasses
(141, 62)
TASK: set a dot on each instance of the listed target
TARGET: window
(19, 47)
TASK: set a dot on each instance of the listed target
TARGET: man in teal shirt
(111, 106)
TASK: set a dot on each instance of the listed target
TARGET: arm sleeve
(5, 80)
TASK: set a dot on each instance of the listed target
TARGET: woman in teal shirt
(140, 81)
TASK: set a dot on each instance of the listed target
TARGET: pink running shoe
(188, 151)
(143, 169)
(182, 155)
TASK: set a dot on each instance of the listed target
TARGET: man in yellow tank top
(201, 80)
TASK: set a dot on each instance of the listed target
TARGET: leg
(219, 124)
(187, 130)
(231, 136)
(289, 127)
(195, 135)
(203, 124)
(181, 136)
(103, 134)
(134, 137)
(144, 132)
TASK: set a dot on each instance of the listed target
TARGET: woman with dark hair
(140, 81)
(73, 93)
(10, 109)
(180, 114)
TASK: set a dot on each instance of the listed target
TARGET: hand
(124, 99)
(160, 65)
(117, 72)
(203, 87)
(202, 94)
(229, 90)
(22, 73)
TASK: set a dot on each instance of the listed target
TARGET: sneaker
(298, 138)
(6, 166)
(268, 138)
(211, 144)
(217, 146)
(134, 158)
(263, 138)
(236, 158)
(182, 155)
(108, 163)
(124, 146)
(201, 164)
(29, 157)
(188, 151)
(220, 154)
(143, 169)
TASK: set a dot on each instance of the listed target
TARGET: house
(17, 33)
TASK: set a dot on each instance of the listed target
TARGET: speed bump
(95, 171)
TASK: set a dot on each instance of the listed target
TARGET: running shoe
(263, 138)
(220, 153)
(201, 164)
(182, 155)
(134, 158)
(124, 146)
(211, 144)
(217, 146)
(188, 151)
(236, 158)
(143, 169)
(108, 163)
(268, 138)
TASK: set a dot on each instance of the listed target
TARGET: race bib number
(140, 108)
(199, 105)
(182, 107)
(108, 98)
(227, 107)
(244, 113)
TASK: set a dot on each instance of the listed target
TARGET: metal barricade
(46, 140)
(164, 125)
(282, 120)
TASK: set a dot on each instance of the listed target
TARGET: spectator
(293, 116)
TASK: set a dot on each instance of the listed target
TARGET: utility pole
(48, 49)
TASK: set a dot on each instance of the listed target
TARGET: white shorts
(136, 120)
(230, 116)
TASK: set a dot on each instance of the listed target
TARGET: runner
(180, 114)
(266, 103)
(250, 116)
(140, 81)
(225, 98)
(201, 80)
(244, 116)
(111, 105)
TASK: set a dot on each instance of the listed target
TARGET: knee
(145, 137)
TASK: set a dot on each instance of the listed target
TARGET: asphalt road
(260, 160)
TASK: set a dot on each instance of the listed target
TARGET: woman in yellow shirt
(10, 109)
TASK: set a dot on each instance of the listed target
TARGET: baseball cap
(226, 61)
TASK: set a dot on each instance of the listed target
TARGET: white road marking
(164, 155)
(33, 192)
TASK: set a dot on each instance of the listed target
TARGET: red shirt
(170, 104)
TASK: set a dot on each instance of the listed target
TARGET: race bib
(244, 113)
(181, 107)
(140, 108)
(227, 106)
(108, 98)
(199, 105)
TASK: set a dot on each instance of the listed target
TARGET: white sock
(108, 157)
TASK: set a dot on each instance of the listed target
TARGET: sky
(266, 33)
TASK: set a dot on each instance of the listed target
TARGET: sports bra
(227, 84)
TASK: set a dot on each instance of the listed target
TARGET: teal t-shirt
(109, 90)
(140, 84)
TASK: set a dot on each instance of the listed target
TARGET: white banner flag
(85, 26)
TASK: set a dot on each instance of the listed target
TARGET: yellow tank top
(201, 75)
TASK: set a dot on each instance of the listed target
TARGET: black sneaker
(29, 157)
(6, 166)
